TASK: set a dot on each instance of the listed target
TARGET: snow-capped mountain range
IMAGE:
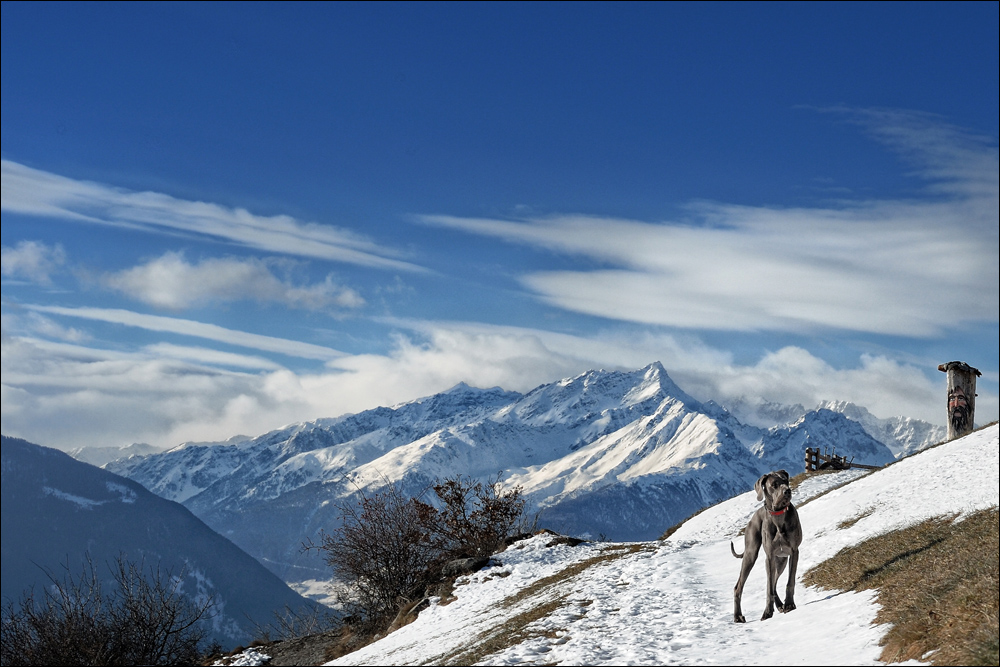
(623, 455)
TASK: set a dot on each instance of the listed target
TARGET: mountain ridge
(623, 454)
(57, 511)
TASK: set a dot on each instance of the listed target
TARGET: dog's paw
(739, 618)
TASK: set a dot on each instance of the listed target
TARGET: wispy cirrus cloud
(209, 357)
(35, 192)
(914, 267)
(955, 160)
(170, 281)
(194, 329)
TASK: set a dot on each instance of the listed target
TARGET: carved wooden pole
(961, 397)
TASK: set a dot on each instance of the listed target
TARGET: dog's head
(774, 487)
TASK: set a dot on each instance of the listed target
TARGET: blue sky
(221, 218)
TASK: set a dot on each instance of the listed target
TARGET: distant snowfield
(671, 602)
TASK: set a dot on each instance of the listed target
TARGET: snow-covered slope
(56, 510)
(671, 602)
(619, 454)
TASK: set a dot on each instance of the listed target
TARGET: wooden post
(812, 459)
(961, 397)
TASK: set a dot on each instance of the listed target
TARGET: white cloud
(67, 395)
(195, 329)
(574, 354)
(793, 375)
(915, 268)
(788, 375)
(63, 395)
(31, 260)
(34, 192)
(172, 282)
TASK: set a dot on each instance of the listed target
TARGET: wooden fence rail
(816, 460)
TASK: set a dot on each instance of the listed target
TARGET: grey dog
(776, 526)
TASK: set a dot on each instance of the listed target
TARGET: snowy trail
(676, 610)
(671, 602)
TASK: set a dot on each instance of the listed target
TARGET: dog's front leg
(772, 582)
(793, 563)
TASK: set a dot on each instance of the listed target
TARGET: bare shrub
(475, 518)
(380, 551)
(390, 548)
(289, 624)
(145, 620)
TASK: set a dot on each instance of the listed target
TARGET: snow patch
(79, 501)
(126, 494)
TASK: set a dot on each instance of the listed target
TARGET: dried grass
(937, 585)
(847, 523)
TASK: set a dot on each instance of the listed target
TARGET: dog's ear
(759, 486)
(782, 473)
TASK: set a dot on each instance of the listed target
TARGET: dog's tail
(733, 549)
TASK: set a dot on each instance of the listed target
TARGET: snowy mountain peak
(98, 456)
(462, 398)
(851, 410)
(656, 375)
(464, 388)
(601, 392)
(612, 382)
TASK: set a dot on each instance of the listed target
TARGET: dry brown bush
(389, 548)
(474, 520)
(381, 553)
